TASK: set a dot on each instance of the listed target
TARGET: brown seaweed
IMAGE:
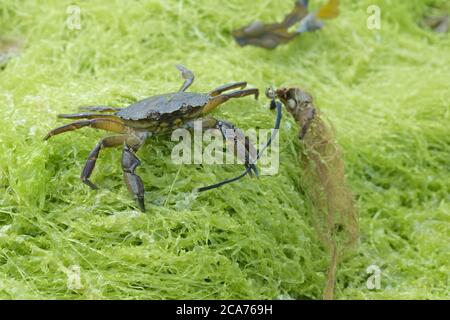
(438, 24)
(323, 178)
(9, 49)
(437, 19)
(269, 36)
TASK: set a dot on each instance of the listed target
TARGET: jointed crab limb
(100, 108)
(108, 142)
(104, 124)
(133, 181)
(88, 116)
(188, 75)
(226, 87)
(240, 94)
(274, 105)
(221, 98)
(243, 149)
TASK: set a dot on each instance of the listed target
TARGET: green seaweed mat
(386, 92)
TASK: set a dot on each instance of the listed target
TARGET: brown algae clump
(9, 48)
(323, 178)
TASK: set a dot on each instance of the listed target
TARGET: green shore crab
(157, 115)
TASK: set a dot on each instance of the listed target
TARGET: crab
(158, 114)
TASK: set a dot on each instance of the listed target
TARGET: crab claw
(253, 169)
(242, 148)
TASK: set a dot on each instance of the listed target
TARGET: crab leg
(104, 124)
(226, 87)
(221, 98)
(108, 142)
(187, 75)
(234, 137)
(133, 181)
(243, 149)
(100, 108)
(273, 105)
(88, 116)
